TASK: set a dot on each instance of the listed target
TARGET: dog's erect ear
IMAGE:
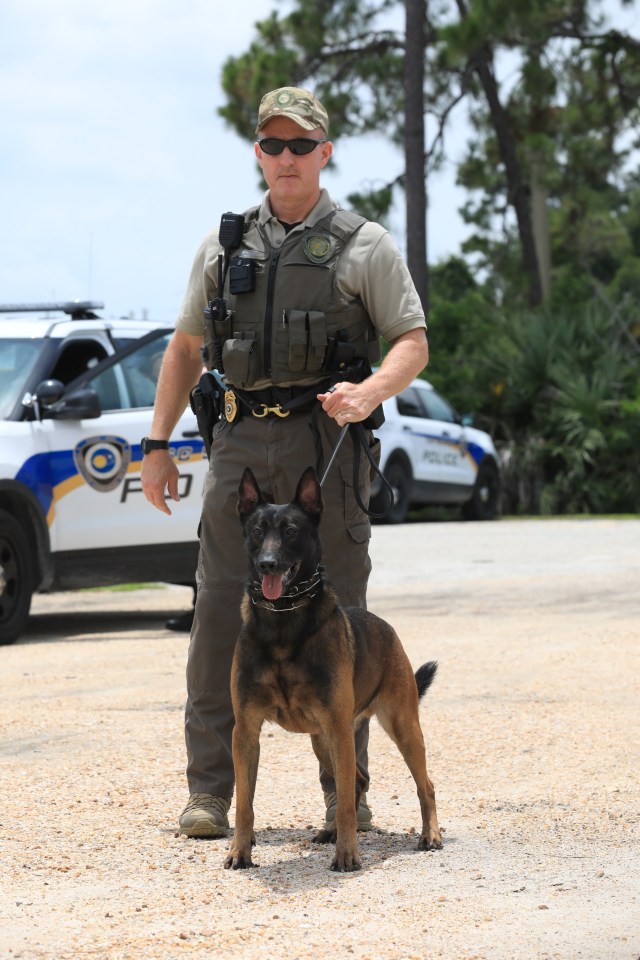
(249, 495)
(309, 494)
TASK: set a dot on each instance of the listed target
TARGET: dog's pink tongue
(272, 586)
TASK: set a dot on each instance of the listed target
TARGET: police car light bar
(77, 309)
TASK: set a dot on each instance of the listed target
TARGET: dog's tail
(425, 676)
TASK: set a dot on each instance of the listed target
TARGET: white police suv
(431, 455)
(76, 393)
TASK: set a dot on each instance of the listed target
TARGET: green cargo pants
(277, 450)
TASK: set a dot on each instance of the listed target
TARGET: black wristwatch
(147, 445)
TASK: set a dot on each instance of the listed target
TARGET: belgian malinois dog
(306, 663)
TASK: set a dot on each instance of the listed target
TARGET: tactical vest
(285, 307)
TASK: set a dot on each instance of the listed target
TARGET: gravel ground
(532, 732)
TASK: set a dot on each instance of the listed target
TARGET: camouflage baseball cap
(296, 103)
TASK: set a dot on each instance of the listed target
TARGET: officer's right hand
(159, 474)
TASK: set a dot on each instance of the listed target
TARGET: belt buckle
(266, 410)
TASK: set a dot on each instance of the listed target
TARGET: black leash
(360, 442)
(343, 434)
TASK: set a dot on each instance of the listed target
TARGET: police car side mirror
(82, 404)
(48, 392)
(467, 419)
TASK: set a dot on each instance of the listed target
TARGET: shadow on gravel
(96, 624)
(306, 865)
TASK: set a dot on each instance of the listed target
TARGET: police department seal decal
(102, 461)
(319, 247)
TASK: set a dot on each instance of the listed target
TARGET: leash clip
(279, 412)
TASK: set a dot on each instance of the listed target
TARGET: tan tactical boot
(205, 816)
(363, 813)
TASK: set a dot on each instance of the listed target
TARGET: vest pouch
(297, 327)
(317, 341)
(241, 359)
(307, 339)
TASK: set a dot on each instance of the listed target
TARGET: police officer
(313, 278)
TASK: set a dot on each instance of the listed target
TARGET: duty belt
(282, 401)
(272, 401)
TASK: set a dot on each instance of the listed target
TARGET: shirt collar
(323, 208)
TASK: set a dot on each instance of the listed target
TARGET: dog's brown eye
(291, 532)
(257, 531)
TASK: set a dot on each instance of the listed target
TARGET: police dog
(304, 662)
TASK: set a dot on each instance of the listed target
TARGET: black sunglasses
(299, 146)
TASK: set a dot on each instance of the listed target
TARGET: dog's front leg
(246, 755)
(343, 751)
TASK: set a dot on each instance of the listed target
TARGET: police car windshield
(17, 359)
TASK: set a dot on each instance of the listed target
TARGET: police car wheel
(483, 505)
(399, 477)
(16, 579)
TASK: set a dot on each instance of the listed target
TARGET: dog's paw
(346, 863)
(431, 840)
(239, 861)
(325, 836)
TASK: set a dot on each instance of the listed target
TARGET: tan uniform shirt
(371, 268)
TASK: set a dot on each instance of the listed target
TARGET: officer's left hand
(346, 403)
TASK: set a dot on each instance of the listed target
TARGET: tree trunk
(414, 135)
(518, 193)
(540, 219)
(518, 189)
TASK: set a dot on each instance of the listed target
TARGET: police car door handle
(190, 433)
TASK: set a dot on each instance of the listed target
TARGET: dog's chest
(289, 699)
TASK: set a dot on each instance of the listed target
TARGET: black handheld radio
(231, 231)
(230, 237)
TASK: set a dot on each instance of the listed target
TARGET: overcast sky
(113, 161)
